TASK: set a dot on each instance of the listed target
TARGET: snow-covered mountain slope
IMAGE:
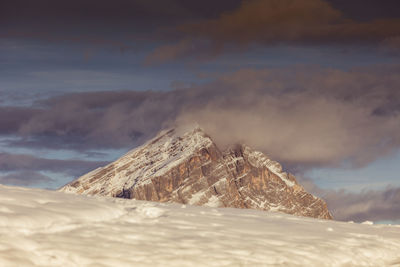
(47, 228)
(191, 169)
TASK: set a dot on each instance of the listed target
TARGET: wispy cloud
(24, 162)
(29, 170)
(25, 178)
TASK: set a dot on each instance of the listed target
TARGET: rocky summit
(189, 168)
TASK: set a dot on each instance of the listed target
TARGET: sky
(314, 84)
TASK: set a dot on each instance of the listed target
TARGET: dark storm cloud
(24, 178)
(126, 13)
(28, 163)
(101, 19)
(372, 205)
(272, 22)
(364, 10)
(125, 25)
(118, 10)
(305, 116)
(201, 29)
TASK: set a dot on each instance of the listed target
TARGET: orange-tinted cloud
(268, 22)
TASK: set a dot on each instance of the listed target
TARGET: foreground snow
(46, 228)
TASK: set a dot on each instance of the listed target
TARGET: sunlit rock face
(191, 169)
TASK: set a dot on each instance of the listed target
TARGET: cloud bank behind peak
(306, 116)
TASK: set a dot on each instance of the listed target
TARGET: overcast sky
(313, 84)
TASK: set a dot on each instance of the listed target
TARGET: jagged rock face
(190, 169)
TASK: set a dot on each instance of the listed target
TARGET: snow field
(47, 228)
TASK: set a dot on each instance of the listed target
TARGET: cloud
(11, 118)
(305, 117)
(24, 178)
(302, 116)
(193, 29)
(271, 22)
(123, 24)
(372, 205)
(99, 120)
(96, 26)
(121, 11)
(31, 164)
(169, 52)
(391, 46)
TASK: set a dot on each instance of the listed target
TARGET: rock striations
(190, 169)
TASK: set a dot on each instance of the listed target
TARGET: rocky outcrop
(190, 169)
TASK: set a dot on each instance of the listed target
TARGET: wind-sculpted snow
(47, 228)
(190, 169)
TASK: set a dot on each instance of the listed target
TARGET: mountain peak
(167, 135)
(153, 158)
(186, 166)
